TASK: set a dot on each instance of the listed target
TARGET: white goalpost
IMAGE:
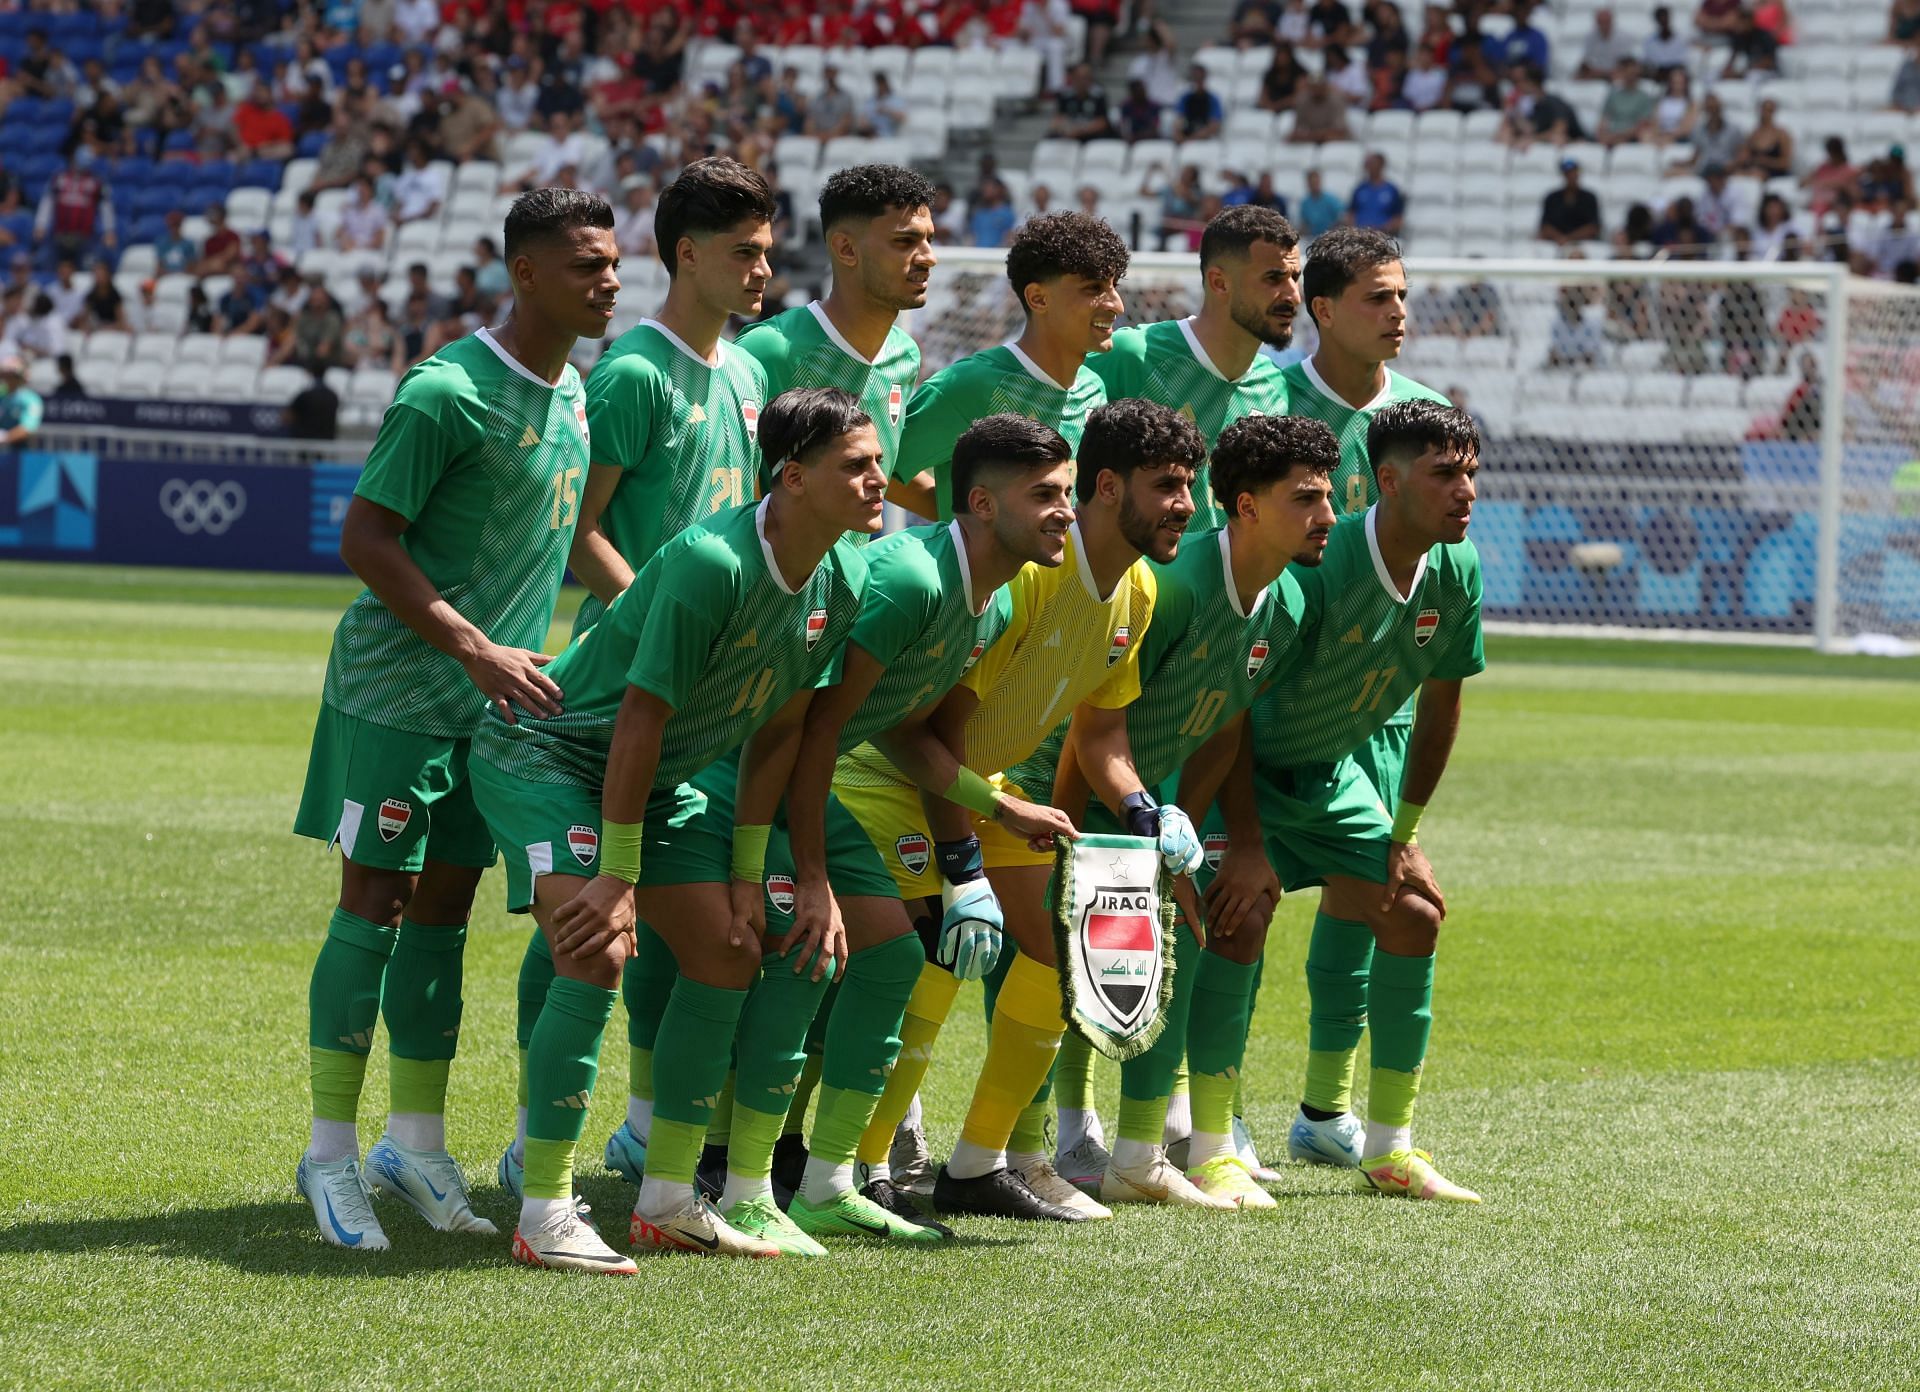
(1666, 453)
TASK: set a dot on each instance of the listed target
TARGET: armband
(971, 791)
(750, 852)
(1406, 821)
(620, 850)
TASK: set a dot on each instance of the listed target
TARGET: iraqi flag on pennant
(1112, 926)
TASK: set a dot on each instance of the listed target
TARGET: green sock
(843, 1117)
(1390, 1096)
(720, 1124)
(640, 1073)
(562, 1061)
(646, 982)
(343, 1008)
(420, 1002)
(673, 1151)
(1402, 1000)
(773, 1034)
(1338, 957)
(1150, 1075)
(809, 1079)
(689, 1068)
(750, 1153)
(1073, 1074)
(1142, 1119)
(1030, 1128)
(536, 975)
(1216, 1039)
(1253, 1002)
(863, 1032)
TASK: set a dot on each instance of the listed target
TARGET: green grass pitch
(1676, 1047)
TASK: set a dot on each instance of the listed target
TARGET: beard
(1262, 327)
(1138, 531)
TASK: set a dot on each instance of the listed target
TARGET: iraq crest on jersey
(1112, 905)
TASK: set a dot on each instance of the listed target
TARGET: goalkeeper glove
(1172, 829)
(971, 924)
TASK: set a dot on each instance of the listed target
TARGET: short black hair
(547, 213)
(996, 445)
(1341, 255)
(797, 422)
(866, 191)
(1405, 430)
(1065, 244)
(710, 196)
(1256, 451)
(1232, 230)
(1133, 434)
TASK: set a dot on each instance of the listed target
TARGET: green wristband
(971, 791)
(620, 850)
(750, 852)
(1406, 821)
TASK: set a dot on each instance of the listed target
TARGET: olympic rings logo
(201, 506)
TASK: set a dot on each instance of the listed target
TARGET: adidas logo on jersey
(1200, 653)
(528, 439)
(698, 415)
(938, 649)
(748, 639)
(1053, 639)
(1353, 635)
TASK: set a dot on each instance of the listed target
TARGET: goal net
(1694, 449)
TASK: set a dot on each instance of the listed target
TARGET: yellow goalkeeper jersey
(1064, 644)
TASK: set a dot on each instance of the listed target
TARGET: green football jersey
(1354, 489)
(918, 621)
(710, 628)
(1164, 362)
(802, 348)
(486, 462)
(1368, 648)
(1202, 662)
(683, 431)
(985, 384)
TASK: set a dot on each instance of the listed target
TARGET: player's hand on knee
(1037, 823)
(971, 928)
(602, 911)
(818, 930)
(1407, 869)
(747, 912)
(1188, 903)
(512, 677)
(1244, 883)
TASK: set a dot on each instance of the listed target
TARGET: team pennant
(1112, 907)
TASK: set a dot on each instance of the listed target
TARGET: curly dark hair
(1256, 451)
(545, 213)
(1405, 430)
(1065, 244)
(1233, 230)
(1339, 256)
(865, 191)
(797, 422)
(710, 196)
(1136, 434)
(996, 445)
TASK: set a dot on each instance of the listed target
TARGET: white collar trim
(1380, 565)
(766, 551)
(819, 312)
(485, 335)
(719, 347)
(1320, 384)
(1081, 565)
(1034, 368)
(1233, 590)
(1200, 353)
(966, 570)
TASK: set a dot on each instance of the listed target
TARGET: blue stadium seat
(41, 139)
(84, 49)
(25, 111)
(217, 171)
(200, 197)
(150, 227)
(38, 168)
(382, 56)
(178, 143)
(20, 225)
(131, 172)
(264, 174)
(312, 144)
(64, 27)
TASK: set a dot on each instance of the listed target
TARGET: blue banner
(79, 507)
(201, 417)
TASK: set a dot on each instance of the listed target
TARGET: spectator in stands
(68, 293)
(370, 339)
(1627, 113)
(949, 215)
(1903, 21)
(221, 248)
(1330, 25)
(44, 334)
(519, 94)
(991, 220)
(562, 147)
(1715, 139)
(1680, 234)
(1140, 114)
(68, 388)
(1255, 23)
(1905, 95)
(318, 330)
(1319, 209)
(1800, 417)
(1180, 199)
(1198, 114)
(303, 228)
(1102, 17)
(1897, 244)
(1574, 340)
(314, 414)
(1088, 198)
(1664, 49)
(76, 211)
(1472, 84)
(44, 71)
(1039, 202)
(1767, 152)
(830, 114)
(259, 257)
(1751, 49)
(1424, 88)
(1377, 201)
(263, 130)
(20, 405)
(242, 308)
(1522, 44)
(1474, 311)
(105, 306)
(1319, 113)
(1674, 114)
(469, 127)
(1047, 25)
(420, 188)
(1533, 113)
(1570, 214)
(1347, 77)
(1081, 109)
(1601, 54)
(419, 283)
(884, 114)
(633, 223)
(363, 221)
(1716, 20)
(1157, 67)
(215, 134)
(1389, 32)
(1721, 206)
(142, 311)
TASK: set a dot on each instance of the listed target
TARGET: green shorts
(1320, 820)
(855, 868)
(390, 799)
(1383, 758)
(554, 829)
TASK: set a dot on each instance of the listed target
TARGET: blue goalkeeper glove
(971, 929)
(1172, 829)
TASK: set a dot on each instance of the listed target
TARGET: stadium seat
(930, 62)
(137, 379)
(106, 347)
(154, 347)
(893, 60)
(299, 173)
(373, 385)
(1143, 155)
(477, 175)
(197, 348)
(1605, 389)
(248, 350)
(249, 208)
(280, 384)
(969, 111)
(1719, 392)
(186, 381)
(793, 153)
(43, 375)
(1222, 64)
